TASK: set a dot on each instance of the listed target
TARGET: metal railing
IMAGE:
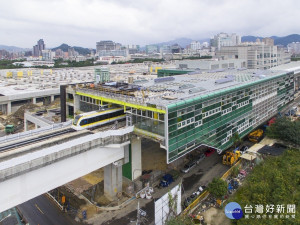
(35, 132)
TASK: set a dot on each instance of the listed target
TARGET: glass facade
(211, 120)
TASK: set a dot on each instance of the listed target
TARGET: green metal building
(171, 72)
(102, 75)
(184, 112)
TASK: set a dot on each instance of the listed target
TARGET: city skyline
(83, 23)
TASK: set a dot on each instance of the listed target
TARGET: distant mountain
(183, 42)
(250, 38)
(13, 48)
(80, 50)
(287, 39)
(277, 40)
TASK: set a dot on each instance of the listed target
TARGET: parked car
(187, 202)
(199, 190)
(209, 152)
(166, 180)
(199, 158)
(187, 167)
(243, 149)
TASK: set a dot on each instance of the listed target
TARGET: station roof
(168, 90)
(292, 66)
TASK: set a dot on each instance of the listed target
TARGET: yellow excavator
(231, 157)
(256, 135)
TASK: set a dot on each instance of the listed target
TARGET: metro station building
(183, 112)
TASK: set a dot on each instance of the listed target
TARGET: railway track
(34, 140)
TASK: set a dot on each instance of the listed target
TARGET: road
(202, 174)
(41, 210)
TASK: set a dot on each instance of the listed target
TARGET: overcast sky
(83, 22)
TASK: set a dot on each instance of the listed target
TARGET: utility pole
(138, 214)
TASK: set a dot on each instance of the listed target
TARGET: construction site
(175, 119)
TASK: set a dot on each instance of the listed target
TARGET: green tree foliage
(58, 63)
(277, 182)
(8, 64)
(217, 187)
(199, 57)
(286, 130)
(235, 139)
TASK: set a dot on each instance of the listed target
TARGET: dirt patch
(189, 182)
(20, 112)
(72, 202)
(153, 157)
(78, 186)
(94, 177)
(96, 194)
(215, 216)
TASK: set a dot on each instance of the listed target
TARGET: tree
(274, 182)
(286, 130)
(217, 187)
(235, 139)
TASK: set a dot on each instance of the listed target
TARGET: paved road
(202, 174)
(42, 211)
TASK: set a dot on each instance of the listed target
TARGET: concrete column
(76, 103)
(52, 98)
(8, 108)
(112, 180)
(67, 110)
(25, 123)
(33, 100)
(136, 157)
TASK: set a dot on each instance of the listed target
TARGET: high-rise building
(110, 48)
(224, 39)
(268, 41)
(46, 55)
(195, 45)
(72, 52)
(165, 49)
(105, 46)
(37, 49)
(150, 49)
(133, 49)
(294, 48)
(59, 53)
(258, 55)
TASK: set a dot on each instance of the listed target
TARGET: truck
(9, 129)
(256, 135)
(166, 180)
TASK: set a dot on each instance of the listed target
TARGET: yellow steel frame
(115, 101)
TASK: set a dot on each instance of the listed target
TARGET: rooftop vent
(228, 78)
(241, 69)
(216, 71)
(196, 90)
(186, 86)
(195, 72)
(163, 79)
